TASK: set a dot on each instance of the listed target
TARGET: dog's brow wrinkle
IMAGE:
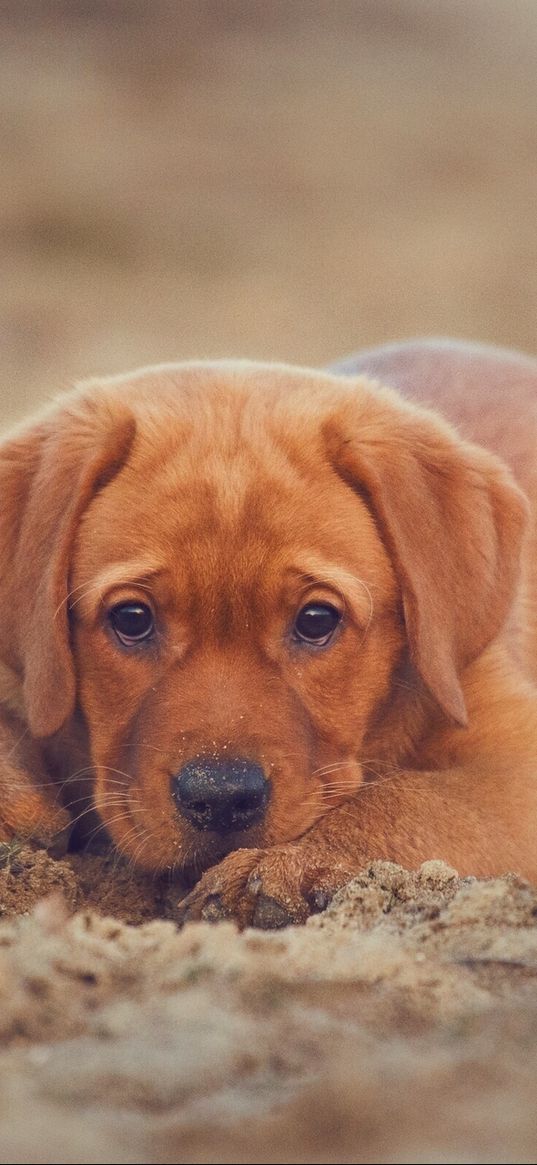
(100, 585)
(345, 582)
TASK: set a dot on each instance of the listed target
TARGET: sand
(399, 1025)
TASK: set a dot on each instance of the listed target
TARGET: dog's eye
(316, 623)
(132, 622)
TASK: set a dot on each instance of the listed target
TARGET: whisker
(83, 772)
(92, 768)
(113, 797)
(18, 742)
(121, 772)
(133, 831)
(92, 809)
(126, 816)
(146, 838)
(340, 764)
(92, 587)
(142, 744)
(67, 597)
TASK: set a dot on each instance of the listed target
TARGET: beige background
(273, 178)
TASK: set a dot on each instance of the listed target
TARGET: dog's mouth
(202, 853)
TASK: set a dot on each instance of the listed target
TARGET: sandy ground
(287, 179)
(400, 1025)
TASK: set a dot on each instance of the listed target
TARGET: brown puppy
(279, 615)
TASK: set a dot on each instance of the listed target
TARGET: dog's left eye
(316, 623)
(132, 622)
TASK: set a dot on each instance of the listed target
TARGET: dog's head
(226, 569)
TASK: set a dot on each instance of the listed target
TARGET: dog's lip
(230, 840)
(205, 856)
(209, 846)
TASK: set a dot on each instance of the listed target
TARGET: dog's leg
(30, 806)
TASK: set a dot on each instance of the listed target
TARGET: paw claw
(183, 916)
(269, 914)
(319, 900)
(213, 909)
(254, 884)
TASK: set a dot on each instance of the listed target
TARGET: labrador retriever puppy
(283, 621)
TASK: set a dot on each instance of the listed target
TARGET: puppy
(283, 619)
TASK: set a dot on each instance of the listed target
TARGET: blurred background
(286, 179)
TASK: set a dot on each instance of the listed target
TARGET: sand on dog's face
(399, 1025)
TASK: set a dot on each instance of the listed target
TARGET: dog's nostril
(221, 795)
(199, 807)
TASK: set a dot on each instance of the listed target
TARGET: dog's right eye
(132, 622)
(316, 623)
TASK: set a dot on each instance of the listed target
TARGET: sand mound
(400, 1025)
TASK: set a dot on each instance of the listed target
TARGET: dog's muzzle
(221, 795)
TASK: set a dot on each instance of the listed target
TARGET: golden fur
(224, 497)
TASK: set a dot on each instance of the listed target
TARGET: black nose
(221, 794)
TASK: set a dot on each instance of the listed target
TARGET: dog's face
(236, 620)
(240, 554)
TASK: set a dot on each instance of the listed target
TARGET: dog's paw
(266, 888)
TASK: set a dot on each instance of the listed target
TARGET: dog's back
(490, 395)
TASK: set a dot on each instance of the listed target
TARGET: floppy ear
(49, 472)
(452, 519)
